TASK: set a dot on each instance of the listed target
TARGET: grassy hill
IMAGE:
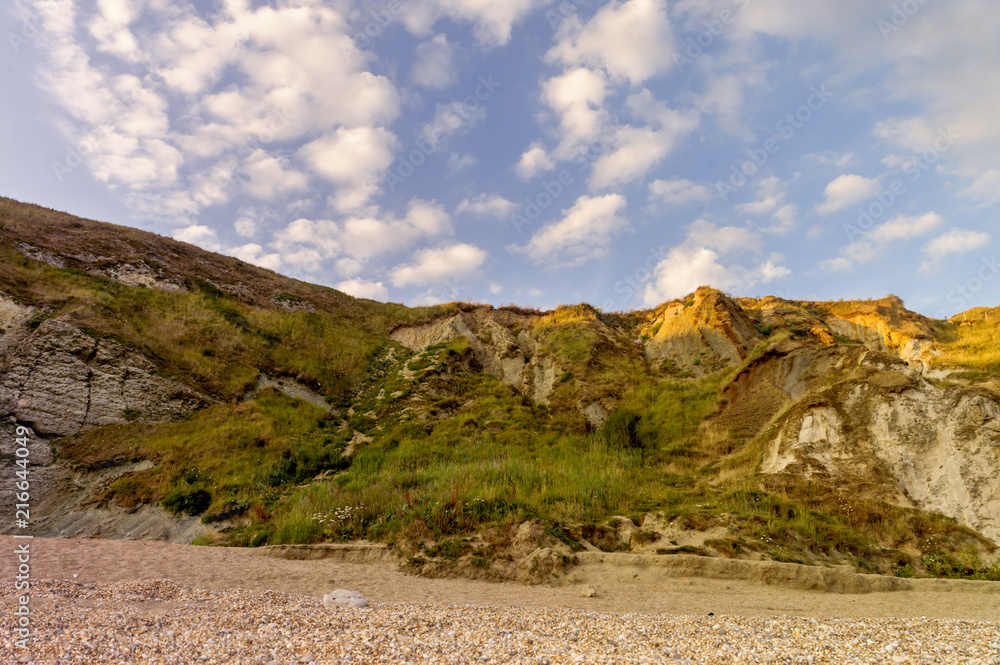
(648, 434)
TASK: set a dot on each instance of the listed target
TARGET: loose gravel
(157, 621)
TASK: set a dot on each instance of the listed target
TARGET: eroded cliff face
(856, 416)
(60, 380)
(709, 333)
(937, 449)
(536, 353)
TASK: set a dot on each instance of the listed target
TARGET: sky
(533, 152)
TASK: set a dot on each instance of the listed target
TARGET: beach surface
(112, 601)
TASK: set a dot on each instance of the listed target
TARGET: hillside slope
(173, 393)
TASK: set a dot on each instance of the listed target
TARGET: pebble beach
(96, 602)
(157, 621)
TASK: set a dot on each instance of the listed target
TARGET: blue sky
(529, 151)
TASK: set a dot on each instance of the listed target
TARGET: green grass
(504, 460)
(223, 457)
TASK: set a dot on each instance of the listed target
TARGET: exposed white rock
(938, 448)
(344, 598)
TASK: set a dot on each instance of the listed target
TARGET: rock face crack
(62, 380)
(90, 392)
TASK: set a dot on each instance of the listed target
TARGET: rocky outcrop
(61, 380)
(139, 273)
(511, 358)
(65, 501)
(702, 336)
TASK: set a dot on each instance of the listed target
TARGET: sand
(619, 588)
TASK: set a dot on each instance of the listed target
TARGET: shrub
(191, 501)
(620, 430)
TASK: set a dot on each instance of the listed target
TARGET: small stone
(588, 592)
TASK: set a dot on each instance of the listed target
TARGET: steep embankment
(104, 327)
(870, 413)
(494, 442)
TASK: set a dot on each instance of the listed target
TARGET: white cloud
(838, 160)
(848, 190)
(631, 39)
(496, 288)
(533, 161)
(905, 228)
(172, 133)
(360, 288)
(725, 98)
(985, 188)
(200, 235)
(365, 237)
(309, 244)
(726, 240)
(769, 271)
(492, 20)
(577, 97)
(707, 258)
(449, 120)
(684, 270)
(784, 219)
(838, 264)
(458, 163)
(584, 232)
(487, 205)
(872, 245)
(678, 191)
(270, 177)
(435, 66)
(246, 227)
(111, 29)
(636, 150)
(354, 160)
(953, 243)
(437, 265)
(771, 194)
(255, 254)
